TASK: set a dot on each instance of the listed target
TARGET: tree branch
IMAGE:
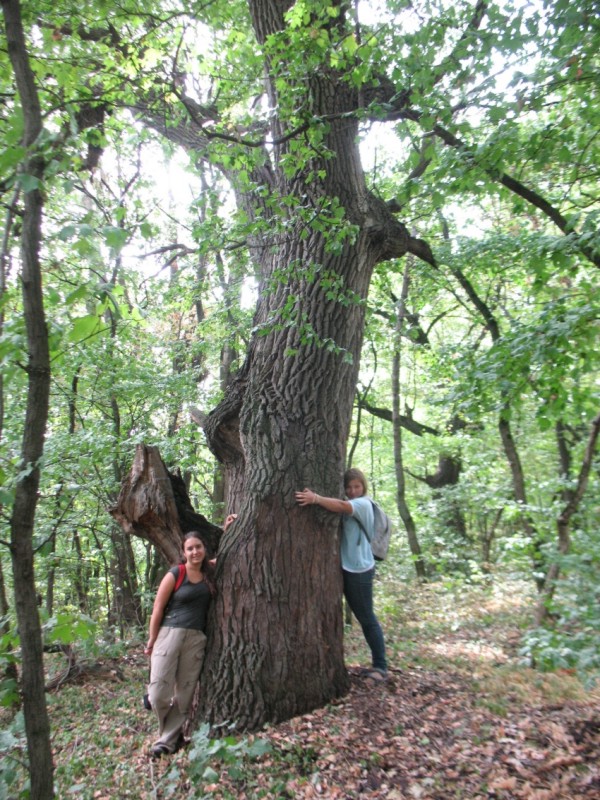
(406, 422)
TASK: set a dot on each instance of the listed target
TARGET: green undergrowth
(101, 734)
(475, 630)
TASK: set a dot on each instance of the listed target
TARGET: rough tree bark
(275, 648)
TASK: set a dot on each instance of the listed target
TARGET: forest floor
(460, 717)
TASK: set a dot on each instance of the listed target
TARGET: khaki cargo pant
(176, 662)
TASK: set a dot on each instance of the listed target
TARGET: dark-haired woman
(358, 563)
(176, 642)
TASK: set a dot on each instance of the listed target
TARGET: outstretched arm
(308, 498)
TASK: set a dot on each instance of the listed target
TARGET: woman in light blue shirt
(358, 564)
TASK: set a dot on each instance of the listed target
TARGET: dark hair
(356, 475)
(206, 567)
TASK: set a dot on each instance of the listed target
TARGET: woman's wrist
(316, 498)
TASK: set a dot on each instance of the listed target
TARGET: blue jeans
(358, 591)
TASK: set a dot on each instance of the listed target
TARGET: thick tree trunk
(275, 647)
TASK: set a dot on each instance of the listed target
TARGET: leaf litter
(420, 736)
(481, 728)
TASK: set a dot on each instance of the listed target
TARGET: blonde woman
(358, 563)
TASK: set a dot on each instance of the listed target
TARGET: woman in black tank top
(176, 642)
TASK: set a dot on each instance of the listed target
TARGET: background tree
(38, 388)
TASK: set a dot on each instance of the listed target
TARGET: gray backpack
(382, 532)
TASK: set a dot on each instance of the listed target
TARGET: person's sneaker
(375, 675)
(160, 750)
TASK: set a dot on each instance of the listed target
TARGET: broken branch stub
(154, 504)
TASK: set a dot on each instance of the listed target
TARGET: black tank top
(188, 606)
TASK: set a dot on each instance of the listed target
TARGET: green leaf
(10, 158)
(209, 775)
(84, 327)
(7, 496)
(68, 627)
(67, 232)
(497, 114)
(80, 293)
(115, 237)
(29, 183)
(146, 230)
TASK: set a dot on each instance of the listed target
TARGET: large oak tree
(315, 233)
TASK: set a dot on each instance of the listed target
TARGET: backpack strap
(180, 577)
(364, 530)
(178, 581)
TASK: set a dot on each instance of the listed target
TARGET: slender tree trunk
(356, 436)
(58, 517)
(79, 582)
(229, 358)
(126, 608)
(50, 578)
(520, 494)
(563, 523)
(506, 436)
(10, 670)
(487, 538)
(564, 461)
(37, 724)
(407, 518)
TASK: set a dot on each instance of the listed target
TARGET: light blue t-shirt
(355, 550)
